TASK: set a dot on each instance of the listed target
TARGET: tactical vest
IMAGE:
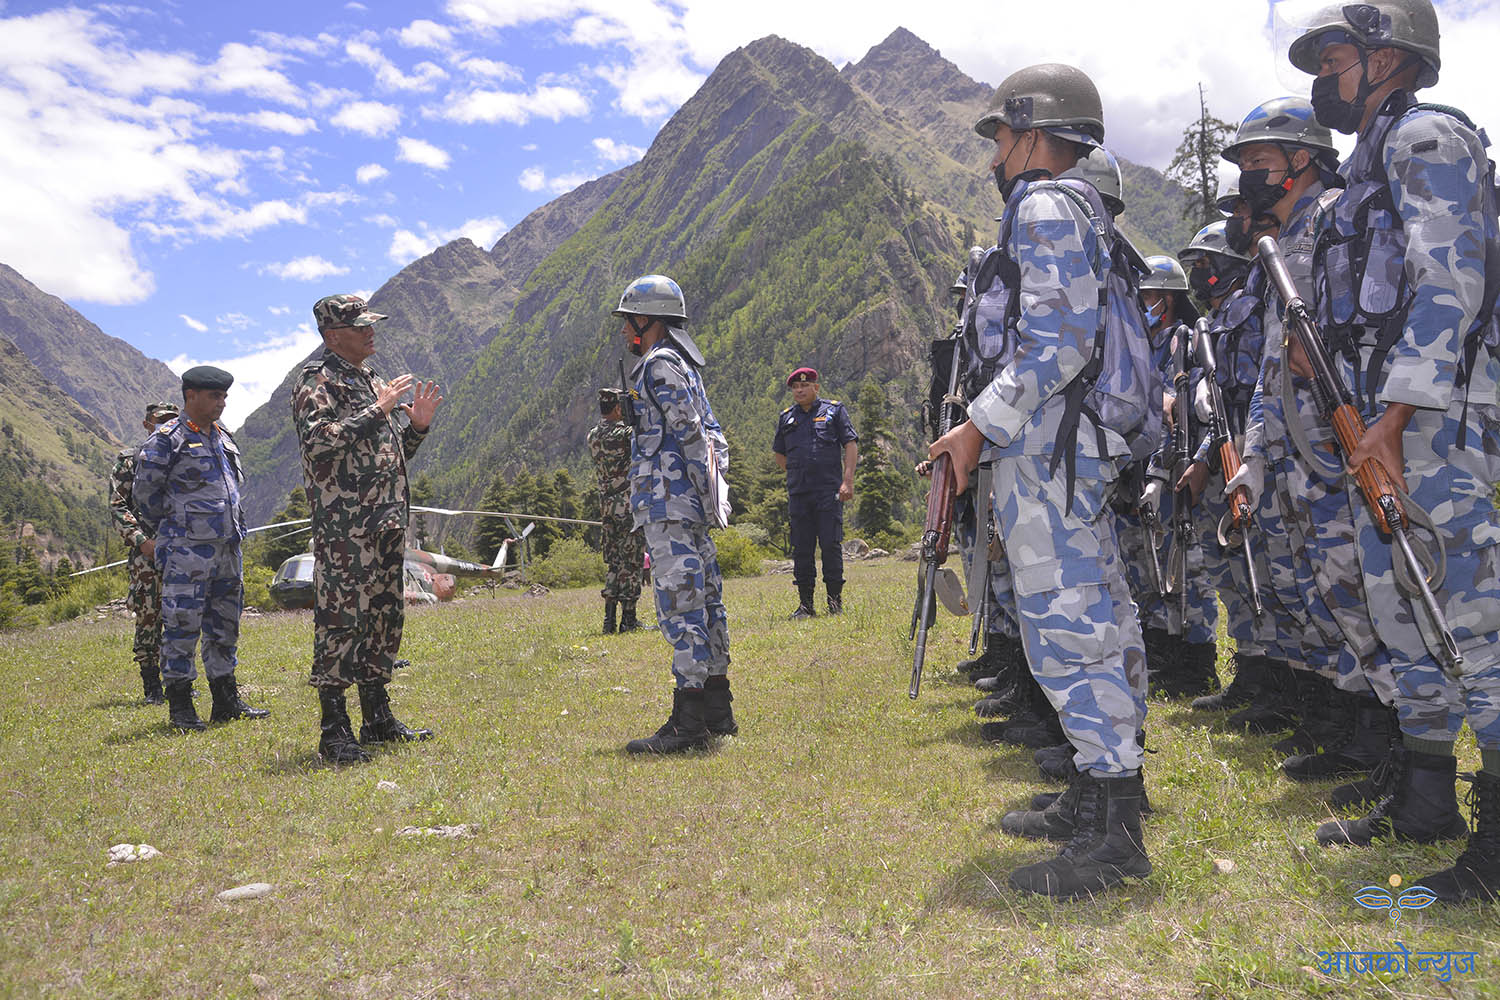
(1117, 384)
(1359, 262)
(1239, 337)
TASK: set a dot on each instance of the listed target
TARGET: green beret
(206, 377)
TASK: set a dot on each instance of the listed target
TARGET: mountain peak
(906, 73)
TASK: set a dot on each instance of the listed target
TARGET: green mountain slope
(55, 459)
(812, 215)
(108, 377)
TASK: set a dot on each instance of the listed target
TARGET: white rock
(451, 832)
(124, 854)
(1224, 866)
(387, 786)
(254, 890)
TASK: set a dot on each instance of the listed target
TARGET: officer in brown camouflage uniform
(144, 597)
(623, 544)
(354, 459)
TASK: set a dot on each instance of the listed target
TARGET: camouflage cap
(343, 310)
(609, 396)
(162, 410)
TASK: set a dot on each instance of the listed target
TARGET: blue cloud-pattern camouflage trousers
(200, 595)
(1078, 623)
(360, 609)
(689, 599)
(1454, 486)
(144, 598)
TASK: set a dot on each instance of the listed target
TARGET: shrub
(85, 594)
(257, 582)
(568, 563)
(738, 555)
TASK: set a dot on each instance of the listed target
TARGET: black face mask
(1007, 183)
(1237, 233)
(1203, 281)
(1261, 195)
(1332, 110)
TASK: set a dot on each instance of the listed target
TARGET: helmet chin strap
(639, 328)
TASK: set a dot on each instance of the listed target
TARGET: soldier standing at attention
(623, 544)
(1078, 623)
(354, 459)
(817, 448)
(679, 448)
(144, 598)
(187, 494)
(1401, 293)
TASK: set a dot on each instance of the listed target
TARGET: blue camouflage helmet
(654, 295)
(1210, 239)
(1283, 121)
(1101, 169)
(1229, 192)
(1166, 275)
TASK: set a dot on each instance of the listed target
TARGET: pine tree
(490, 532)
(421, 496)
(567, 502)
(877, 488)
(1196, 164)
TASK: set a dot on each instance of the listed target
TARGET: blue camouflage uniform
(1412, 214)
(1078, 623)
(813, 442)
(187, 492)
(676, 438)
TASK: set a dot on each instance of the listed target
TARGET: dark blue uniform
(813, 442)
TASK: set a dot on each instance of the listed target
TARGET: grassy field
(846, 844)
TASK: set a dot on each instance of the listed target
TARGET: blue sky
(192, 176)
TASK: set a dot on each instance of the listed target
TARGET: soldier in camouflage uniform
(144, 597)
(1078, 623)
(623, 544)
(354, 456)
(679, 450)
(187, 493)
(1399, 288)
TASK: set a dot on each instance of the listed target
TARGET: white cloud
(256, 374)
(311, 268)
(478, 66)
(536, 179)
(234, 321)
(253, 70)
(422, 153)
(530, 147)
(425, 34)
(279, 310)
(406, 245)
(370, 172)
(554, 103)
(611, 151)
(370, 118)
(193, 324)
(424, 75)
(280, 121)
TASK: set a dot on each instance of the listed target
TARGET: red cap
(802, 375)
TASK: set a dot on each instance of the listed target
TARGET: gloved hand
(1200, 401)
(1252, 476)
(1151, 496)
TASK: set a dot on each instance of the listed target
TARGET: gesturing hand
(392, 391)
(424, 403)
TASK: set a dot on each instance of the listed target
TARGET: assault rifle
(1182, 506)
(627, 400)
(1152, 525)
(1237, 518)
(1336, 406)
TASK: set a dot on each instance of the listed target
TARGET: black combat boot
(835, 598)
(718, 716)
(627, 617)
(1106, 846)
(1056, 762)
(609, 617)
(1476, 873)
(684, 729)
(1054, 821)
(1274, 708)
(804, 604)
(1248, 674)
(1007, 688)
(337, 745)
(988, 664)
(1322, 721)
(1375, 786)
(1366, 728)
(1196, 670)
(227, 703)
(1161, 655)
(380, 725)
(181, 715)
(151, 684)
(1422, 807)
(1035, 725)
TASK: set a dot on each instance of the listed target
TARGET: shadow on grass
(980, 884)
(298, 764)
(155, 730)
(119, 702)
